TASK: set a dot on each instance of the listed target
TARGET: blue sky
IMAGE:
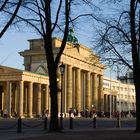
(13, 42)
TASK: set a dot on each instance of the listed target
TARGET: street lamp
(62, 70)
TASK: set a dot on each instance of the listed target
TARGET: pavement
(79, 133)
(74, 134)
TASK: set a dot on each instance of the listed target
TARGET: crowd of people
(87, 113)
(74, 112)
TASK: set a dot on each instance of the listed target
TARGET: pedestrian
(5, 113)
(94, 120)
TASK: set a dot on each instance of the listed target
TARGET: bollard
(19, 125)
(71, 123)
(118, 122)
(45, 123)
(94, 122)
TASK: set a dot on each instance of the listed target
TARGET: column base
(22, 117)
(10, 116)
(31, 117)
(79, 115)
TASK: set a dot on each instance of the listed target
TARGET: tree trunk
(137, 90)
(52, 69)
(54, 105)
(135, 58)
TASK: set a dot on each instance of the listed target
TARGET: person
(71, 114)
(94, 115)
(70, 111)
(5, 113)
(15, 113)
(46, 113)
(86, 113)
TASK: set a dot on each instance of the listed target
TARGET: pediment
(6, 70)
(41, 69)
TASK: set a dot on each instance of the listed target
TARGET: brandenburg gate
(27, 93)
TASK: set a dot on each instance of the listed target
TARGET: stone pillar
(39, 100)
(115, 103)
(8, 89)
(16, 97)
(5, 98)
(101, 94)
(21, 95)
(25, 99)
(78, 89)
(95, 93)
(69, 87)
(112, 103)
(30, 99)
(88, 91)
(46, 97)
(105, 103)
(2, 100)
(108, 98)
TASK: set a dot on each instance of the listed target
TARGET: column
(21, 91)
(25, 99)
(115, 103)
(105, 103)
(95, 93)
(2, 99)
(88, 93)
(46, 97)
(78, 89)
(112, 103)
(8, 89)
(30, 99)
(16, 98)
(108, 98)
(69, 87)
(101, 94)
(39, 100)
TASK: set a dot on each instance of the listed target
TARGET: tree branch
(11, 19)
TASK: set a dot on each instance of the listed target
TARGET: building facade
(23, 93)
(125, 95)
(26, 93)
(83, 78)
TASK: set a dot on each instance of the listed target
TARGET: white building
(125, 94)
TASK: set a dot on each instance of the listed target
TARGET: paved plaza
(79, 134)
(85, 132)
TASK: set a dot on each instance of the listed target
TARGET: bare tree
(47, 17)
(121, 43)
(12, 6)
